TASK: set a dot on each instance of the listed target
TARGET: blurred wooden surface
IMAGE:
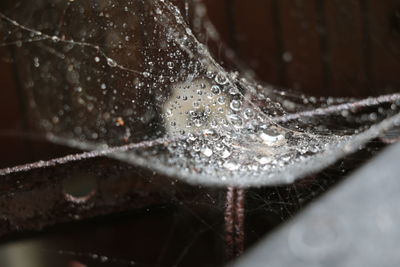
(330, 47)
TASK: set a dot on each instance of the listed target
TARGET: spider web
(146, 77)
(144, 88)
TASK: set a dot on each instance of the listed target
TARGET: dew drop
(206, 151)
(225, 154)
(221, 100)
(233, 91)
(196, 147)
(214, 124)
(248, 113)
(236, 105)
(196, 104)
(111, 62)
(210, 74)
(231, 166)
(215, 89)
(197, 122)
(235, 120)
(263, 160)
(207, 110)
(271, 136)
(36, 62)
(219, 146)
(287, 56)
(168, 113)
(221, 79)
(55, 39)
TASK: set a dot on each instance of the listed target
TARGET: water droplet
(111, 62)
(271, 136)
(219, 146)
(36, 62)
(235, 120)
(263, 160)
(196, 147)
(231, 166)
(210, 74)
(191, 137)
(287, 56)
(225, 154)
(198, 122)
(207, 110)
(236, 105)
(96, 59)
(170, 64)
(206, 151)
(216, 89)
(196, 104)
(248, 113)
(233, 91)
(168, 113)
(221, 100)
(221, 79)
(55, 39)
(213, 123)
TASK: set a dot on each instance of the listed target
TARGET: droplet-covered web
(97, 79)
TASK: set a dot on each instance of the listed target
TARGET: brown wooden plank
(304, 70)
(385, 44)
(257, 39)
(219, 15)
(346, 55)
(10, 116)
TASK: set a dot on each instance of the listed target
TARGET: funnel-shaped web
(130, 79)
